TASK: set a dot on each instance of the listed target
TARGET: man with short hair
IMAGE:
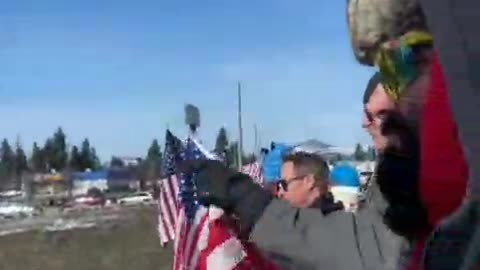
(305, 182)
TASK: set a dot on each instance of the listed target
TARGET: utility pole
(240, 132)
(255, 149)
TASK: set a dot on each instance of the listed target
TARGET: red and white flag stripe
(210, 242)
(254, 170)
(168, 209)
(168, 204)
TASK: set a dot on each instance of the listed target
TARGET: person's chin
(294, 204)
(378, 145)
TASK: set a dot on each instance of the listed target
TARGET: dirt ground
(131, 244)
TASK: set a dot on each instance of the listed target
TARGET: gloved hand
(228, 189)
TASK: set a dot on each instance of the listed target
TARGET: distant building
(328, 151)
(83, 181)
(122, 179)
(125, 161)
(49, 184)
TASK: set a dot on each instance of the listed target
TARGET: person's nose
(366, 122)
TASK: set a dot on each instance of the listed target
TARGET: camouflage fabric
(372, 22)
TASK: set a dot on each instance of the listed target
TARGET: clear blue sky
(119, 72)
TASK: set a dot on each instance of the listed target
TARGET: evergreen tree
(154, 152)
(94, 160)
(21, 164)
(372, 153)
(141, 173)
(153, 161)
(231, 154)
(59, 155)
(221, 144)
(7, 160)
(359, 153)
(37, 160)
(116, 162)
(336, 158)
(75, 161)
(86, 155)
(47, 154)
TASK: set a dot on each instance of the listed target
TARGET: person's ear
(324, 187)
(310, 181)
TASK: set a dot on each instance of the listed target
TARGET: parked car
(137, 198)
(89, 200)
(11, 194)
(10, 210)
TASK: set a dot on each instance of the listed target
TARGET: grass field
(130, 244)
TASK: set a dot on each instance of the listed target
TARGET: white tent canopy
(317, 147)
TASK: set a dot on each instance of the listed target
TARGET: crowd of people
(414, 110)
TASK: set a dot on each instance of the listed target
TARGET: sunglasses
(283, 183)
(378, 116)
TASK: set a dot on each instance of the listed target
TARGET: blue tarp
(121, 175)
(345, 175)
(272, 164)
(90, 176)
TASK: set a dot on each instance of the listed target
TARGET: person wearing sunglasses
(291, 231)
(376, 104)
(305, 182)
(428, 69)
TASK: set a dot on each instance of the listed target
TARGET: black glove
(228, 189)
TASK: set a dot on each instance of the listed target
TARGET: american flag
(254, 170)
(204, 238)
(169, 189)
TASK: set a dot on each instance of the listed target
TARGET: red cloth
(415, 263)
(444, 171)
(236, 255)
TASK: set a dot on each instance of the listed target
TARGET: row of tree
(55, 154)
(228, 151)
(362, 154)
(12, 161)
(150, 168)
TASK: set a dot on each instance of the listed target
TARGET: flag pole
(240, 132)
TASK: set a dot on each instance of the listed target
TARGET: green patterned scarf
(397, 61)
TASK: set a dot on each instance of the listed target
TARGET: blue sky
(120, 72)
